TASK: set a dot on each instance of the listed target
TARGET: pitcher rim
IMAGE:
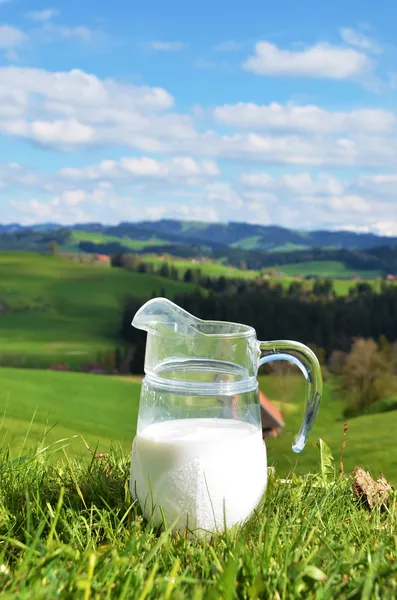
(244, 331)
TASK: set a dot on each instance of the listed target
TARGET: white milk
(204, 471)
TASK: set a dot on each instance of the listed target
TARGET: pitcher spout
(162, 316)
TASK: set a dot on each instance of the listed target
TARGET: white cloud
(387, 228)
(222, 191)
(161, 46)
(80, 33)
(349, 202)
(183, 211)
(174, 169)
(359, 40)
(11, 37)
(74, 108)
(48, 32)
(382, 184)
(95, 193)
(42, 15)
(309, 118)
(299, 184)
(105, 204)
(70, 206)
(321, 60)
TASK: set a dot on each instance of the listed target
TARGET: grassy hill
(70, 530)
(59, 309)
(210, 268)
(104, 409)
(334, 269)
(101, 409)
(78, 236)
(370, 438)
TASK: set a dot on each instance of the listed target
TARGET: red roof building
(272, 419)
(103, 258)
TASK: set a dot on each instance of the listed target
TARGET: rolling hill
(234, 244)
(370, 440)
(54, 309)
(214, 235)
(103, 409)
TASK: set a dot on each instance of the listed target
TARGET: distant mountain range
(255, 246)
(265, 238)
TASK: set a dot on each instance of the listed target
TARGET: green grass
(289, 247)
(211, 269)
(370, 439)
(67, 310)
(101, 238)
(104, 408)
(101, 409)
(68, 527)
(248, 243)
(335, 269)
(69, 530)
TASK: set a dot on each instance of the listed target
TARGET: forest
(317, 317)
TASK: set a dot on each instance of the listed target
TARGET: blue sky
(278, 113)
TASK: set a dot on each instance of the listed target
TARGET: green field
(336, 270)
(69, 528)
(101, 409)
(212, 269)
(289, 247)
(101, 238)
(66, 310)
(104, 409)
(325, 268)
(58, 310)
(370, 438)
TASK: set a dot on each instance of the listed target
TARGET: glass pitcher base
(201, 474)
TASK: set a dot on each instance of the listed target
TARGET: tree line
(382, 258)
(320, 319)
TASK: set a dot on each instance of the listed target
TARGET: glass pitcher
(198, 459)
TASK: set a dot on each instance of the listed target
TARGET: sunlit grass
(69, 530)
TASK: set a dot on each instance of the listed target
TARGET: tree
(54, 248)
(366, 376)
(164, 270)
(188, 276)
(323, 287)
(174, 273)
(131, 261)
(295, 289)
(337, 362)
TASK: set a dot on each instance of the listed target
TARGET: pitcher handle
(304, 358)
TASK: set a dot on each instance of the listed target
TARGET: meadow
(337, 271)
(69, 530)
(58, 310)
(68, 527)
(101, 238)
(103, 409)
